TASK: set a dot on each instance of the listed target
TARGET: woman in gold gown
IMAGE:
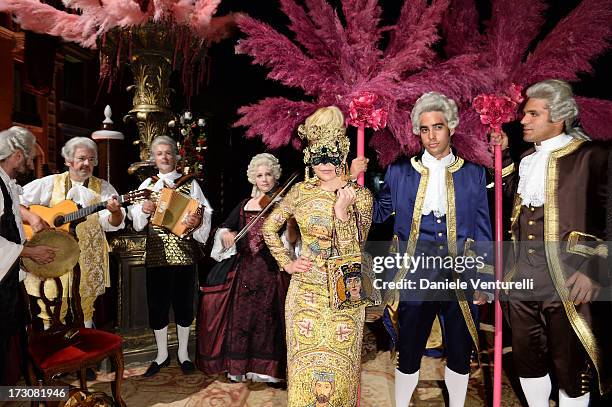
(323, 344)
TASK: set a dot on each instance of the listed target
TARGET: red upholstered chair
(69, 347)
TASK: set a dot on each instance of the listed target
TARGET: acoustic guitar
(60, 216)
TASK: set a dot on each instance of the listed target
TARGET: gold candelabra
(149, 50)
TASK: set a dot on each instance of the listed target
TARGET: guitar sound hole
(59, 221)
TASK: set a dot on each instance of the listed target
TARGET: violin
(269, 196)
(266, 202)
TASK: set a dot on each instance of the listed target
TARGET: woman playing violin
(241, 320)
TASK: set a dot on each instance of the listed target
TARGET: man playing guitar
(79, 185)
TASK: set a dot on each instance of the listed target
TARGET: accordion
(173, 207)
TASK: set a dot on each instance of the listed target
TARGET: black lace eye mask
(325, 159)
(325, 155)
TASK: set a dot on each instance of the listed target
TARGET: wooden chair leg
(117, 362)
(32, 381)
(83, 378)
(39, 383)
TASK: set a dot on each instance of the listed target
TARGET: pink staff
(361, 151)
(497, 359)
(362, 114)
(494, 111)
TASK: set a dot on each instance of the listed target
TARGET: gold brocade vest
(93, 260)
(164, 248)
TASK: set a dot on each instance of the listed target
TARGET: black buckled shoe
(154, 368)
(187, 367)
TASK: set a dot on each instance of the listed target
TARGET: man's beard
(24, 173)
(25, 177)
(23, 169)
(322, 398)
(83, 174)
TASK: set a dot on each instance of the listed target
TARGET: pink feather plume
(288, 63)
(417, 30)
(514, 24)
(35, 16)
(204, 10)
(460, 28)
(96, 17)
(470, 140)
(572, 45)
(273, 116)
(594, 115)
(386, 147)
(335, 61)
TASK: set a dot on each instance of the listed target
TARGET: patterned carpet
(171, 388)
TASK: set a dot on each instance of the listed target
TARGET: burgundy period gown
(241, 317)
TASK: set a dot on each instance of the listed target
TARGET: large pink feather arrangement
(568, 49)
(337, 61)
(35, 16)
(471, 138)
(334, 61)
(415, 33)
(514, 24)
(284, 116)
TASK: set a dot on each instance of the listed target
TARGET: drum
(66, 256)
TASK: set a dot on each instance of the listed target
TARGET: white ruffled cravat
(10, 183)
(532, 171)
(81, 194)
(15, 187)
(166, 180)
(435, 195)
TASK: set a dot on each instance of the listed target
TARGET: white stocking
(161, 339)
(183, 339)
(567, 401)
(537, 390)
(405, 383)
(456, 384)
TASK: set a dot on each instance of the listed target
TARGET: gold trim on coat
(456, 165)
(574, 247)
(551, 237)
(392, 297)
(507, 170)
(451, 234)
(516, 212)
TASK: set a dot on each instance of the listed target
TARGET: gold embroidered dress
(321, 342)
